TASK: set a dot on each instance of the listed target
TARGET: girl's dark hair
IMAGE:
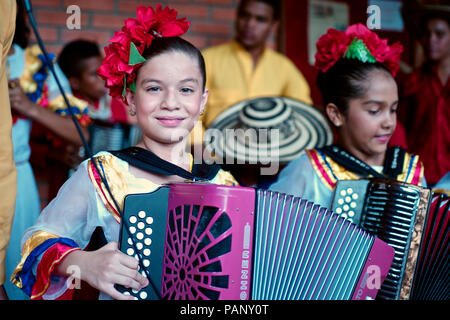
(22, 32)
(346, 80)
(171, 44)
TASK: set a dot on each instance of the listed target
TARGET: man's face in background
(254, 24)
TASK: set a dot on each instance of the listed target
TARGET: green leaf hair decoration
(134, 59)
(358, 50)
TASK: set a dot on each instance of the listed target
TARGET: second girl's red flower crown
(123, 56)
(357, 42)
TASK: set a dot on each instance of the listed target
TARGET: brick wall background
(212, 21)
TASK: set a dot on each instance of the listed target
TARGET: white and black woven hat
(267, 129)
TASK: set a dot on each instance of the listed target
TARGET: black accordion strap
(393, 165)
(147, 160)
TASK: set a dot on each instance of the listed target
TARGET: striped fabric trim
(322, 168)
(101, 190)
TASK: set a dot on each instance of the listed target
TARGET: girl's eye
(152, 89)
(394, 110)
(186, 90)
(373, 112)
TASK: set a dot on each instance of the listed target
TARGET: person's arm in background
(8, 178)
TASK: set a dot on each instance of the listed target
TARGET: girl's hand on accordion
(106, 267)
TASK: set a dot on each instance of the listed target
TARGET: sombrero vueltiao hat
(247, 132)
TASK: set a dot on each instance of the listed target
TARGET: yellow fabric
(231, 77)
(330, 172)
(32, 65)
(8, 178)
(122, 182)
(34, 241)
(29, 85)
(332, 169)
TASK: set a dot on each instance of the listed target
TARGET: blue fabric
(26, 275)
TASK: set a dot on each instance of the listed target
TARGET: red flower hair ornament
(123, 56)
(357, 42)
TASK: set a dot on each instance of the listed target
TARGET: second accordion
(203, 241)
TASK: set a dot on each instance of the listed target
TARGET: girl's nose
(169, 102)
(390, 120)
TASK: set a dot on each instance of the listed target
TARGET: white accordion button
(143, 295)
(141, 214)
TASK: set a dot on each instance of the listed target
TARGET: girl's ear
(130, 102)
(334, 114)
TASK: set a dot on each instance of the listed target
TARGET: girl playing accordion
(356, 80)
(162, 78)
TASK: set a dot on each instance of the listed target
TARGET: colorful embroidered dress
(314, 175)
(42, 89)
(68, 222)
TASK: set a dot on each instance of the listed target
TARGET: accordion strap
(393, 165)
(147, 160)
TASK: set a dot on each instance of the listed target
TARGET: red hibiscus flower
(115, 69)
(330, 48)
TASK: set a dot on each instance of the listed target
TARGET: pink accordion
(203, 241)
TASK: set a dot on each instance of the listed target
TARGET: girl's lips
(170, 121)
(383, 138)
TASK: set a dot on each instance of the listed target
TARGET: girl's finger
(128, 282)
(118, 295)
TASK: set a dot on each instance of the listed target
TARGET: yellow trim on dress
(33, 242)
(32, 65)
(120, 180)
(333, 170)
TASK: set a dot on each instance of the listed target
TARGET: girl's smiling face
(169, 97)
(370, 120)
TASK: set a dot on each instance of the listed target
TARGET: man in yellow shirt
(7, 168)
(246, 68)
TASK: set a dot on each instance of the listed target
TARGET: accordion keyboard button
(143, 295)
